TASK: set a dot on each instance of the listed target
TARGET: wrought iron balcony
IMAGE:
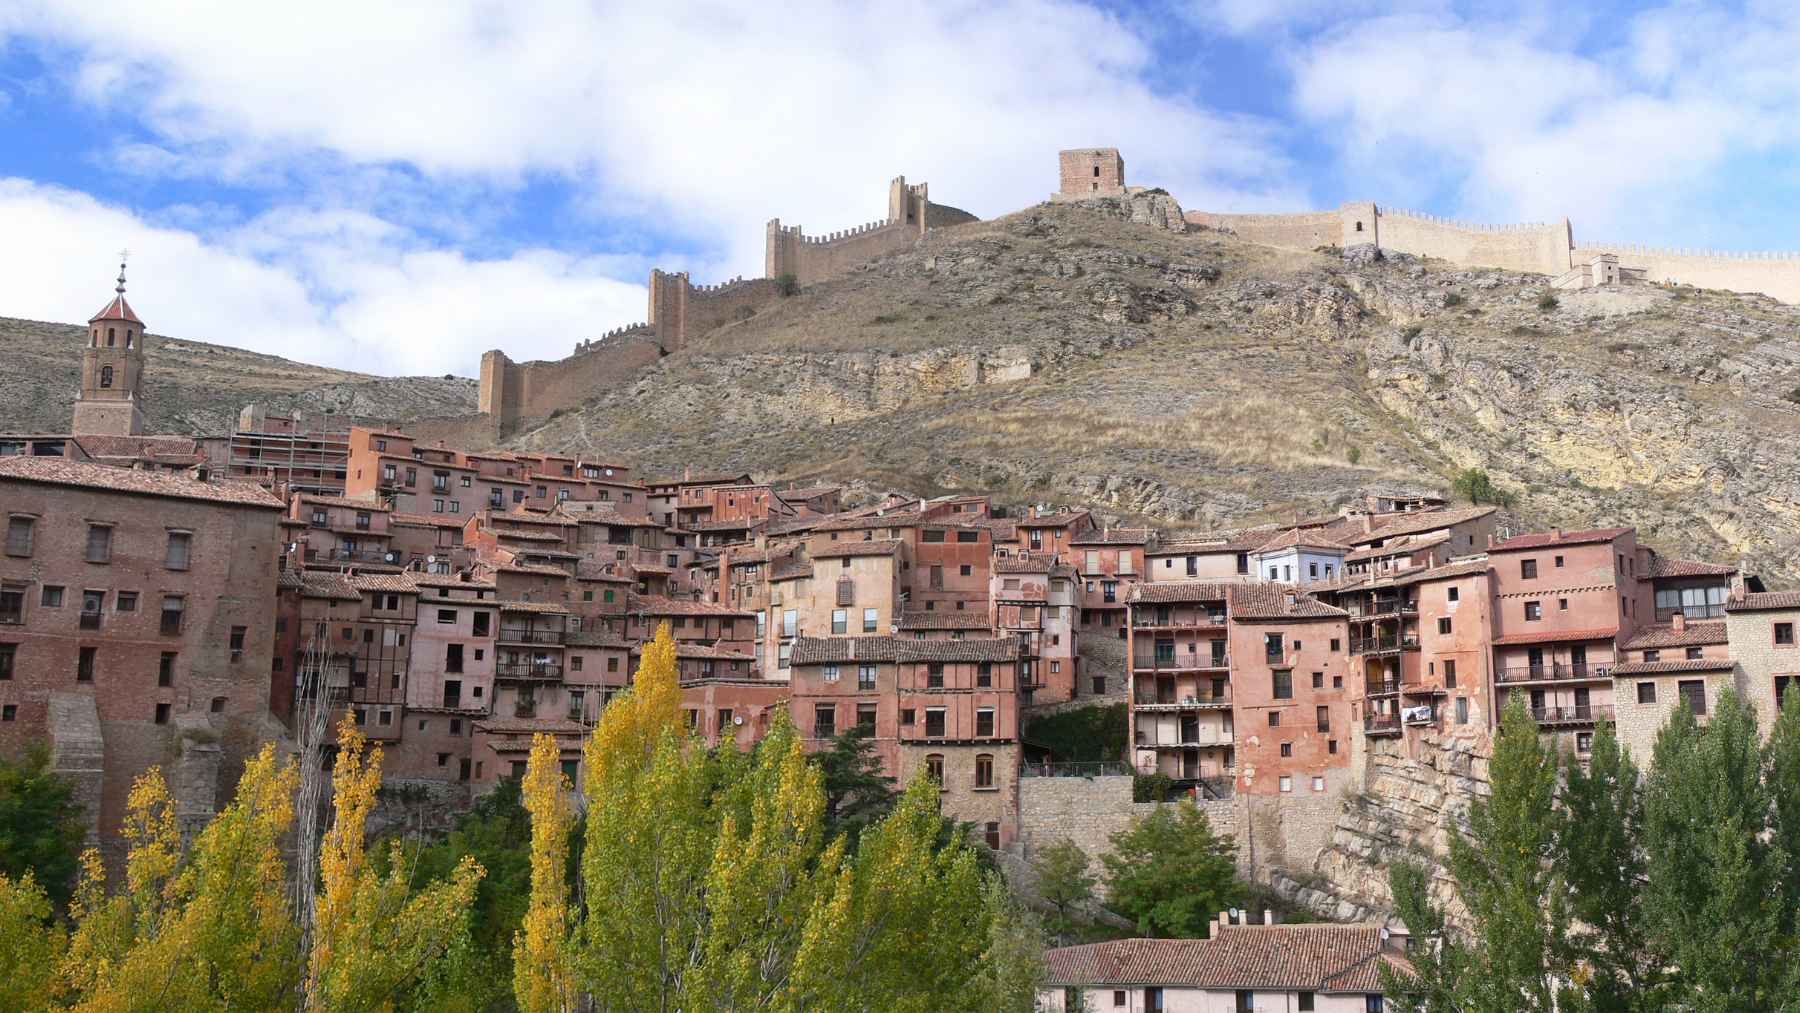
(1554, 672)
(1565, 716)
(1381, 724)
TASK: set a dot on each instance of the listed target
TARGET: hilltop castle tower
(112, 371)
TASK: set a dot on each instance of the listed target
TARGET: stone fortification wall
(1307, 231)
(810, 259)
(1536, 248)
(1770, 274)
(514, 393)
(1089, 810)
(711, 307)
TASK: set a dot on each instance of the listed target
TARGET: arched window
(109, 337)
(934, 765)
(984, 770)
(96, 337)
(1096, 172)
(1359, 226)
(105, 376)
(127, 337)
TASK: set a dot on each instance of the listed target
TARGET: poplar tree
(1440, 962)
(29, 945)
(542, 979)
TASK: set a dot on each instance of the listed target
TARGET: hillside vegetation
(198, 388)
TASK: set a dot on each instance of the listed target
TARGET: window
(453, 658)
(1528, 569)
(173, 605)
(1336, 645)
(1274, 719)
(1444, 626)
(1562, 604)
(1305, 1002)
(829, 673)
(934, 676)
(1284, 685)
(1324, 715)
(1287, 749)
(865, 717)
(1318, 784)
(1455, 594)
(1099, 685)
(839, 621)
(84, 665)
(871, 617)
(1449, 673)
(824, 720)
(1318, 680)
(1652, 655)
(124, 601)
(934, 765)
(1118, 997)
(1584, 742)
(865, 677)
(8, 654)
(93, 604)
(934, 722)
(1272, 646)
(790, 619)
(984, 674)
(1693, 693)
(237, 642)
(218, 707)
(1784, 634)
(1462, 710)
(1646, 692)
(984, 722)
(984, 770)
(99, 543)
(179, 550)
(1246, 999)
(165, 669)
(1534, 611)
(106, 372)
(932, 535)
(19, 532)
(1693, 654)
(1287, 783)
(1782, 682)
(162, 713)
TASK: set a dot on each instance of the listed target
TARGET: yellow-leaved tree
(375, 936)
(29, 945)
(543, 981)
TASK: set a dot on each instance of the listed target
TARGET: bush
(1453, 300)
(1081, 734)
(1412, 332)
(1548, 302)
(884, 318)
(787, 284)
(1151, 787)
(1353, 455)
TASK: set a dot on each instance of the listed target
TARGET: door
(1153, 1000)
(1537, 702)
(1536, 661)
(1578, 660)
(1581, 703)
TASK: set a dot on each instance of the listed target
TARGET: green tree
(1474, 485)
(1012, 966)
(1171, 873)
(1064, 882)
(29, 945)
(1080, 734)
(857, 793)
(1504, 872)
(41, 826)
(1440, 962)
(1598, 854)
(1714, 887)
(1783, 766)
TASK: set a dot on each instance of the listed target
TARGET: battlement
(1454, 223)
(1635, 249)
(842, 234)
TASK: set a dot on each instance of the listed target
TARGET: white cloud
(342, 288)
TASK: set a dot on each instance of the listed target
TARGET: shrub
(1151, 787)
(1453, 300)
(884, 318)
(1548, 302)
(787, 284)
(1081, 734)
(1353, 455)
(1412, 332)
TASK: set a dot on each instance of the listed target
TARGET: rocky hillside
(1068, 353)
(198, 388)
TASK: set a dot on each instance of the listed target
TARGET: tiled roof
(425, 520)
(790, 569)
(523, 535)
(1546, 539)
(1555, 636)
(398, 582)
(593, 569)
(1061, 520)
(704, 652)
(1420, 521)
(950, 619)
(1696, 634)
(1460, 568)
(540, 569)
(595, 638)
(1759, 601)
(812, 492)
(1027, 562)
(877, 547)
(701, 478)
(1313, 958)
(740, 524)
(1240, 540)
(60, 471)
(1399, 546)
(832, 650)
(1295, 538)
(530, 726)
(895, 519)
(1113, 536)
(329, 586)
(655, 605)
(1665, 567)
(451, 580)
(117, 309)
(371, 505)
(1277, 601)
(1671, 667)
(499, 520)
(1162, 591)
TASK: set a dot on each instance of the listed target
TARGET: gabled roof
(1294, 538)
(1313, 958)
(1764, 601)
(1060, 520)
(1695, 635)
(1113, 536)
(1548, 539)
(1663, 567)
(1239, 540)
(1400, 546)
(372, 505)
(1676, 666)
(1277, 601)
(894, 519)
(130, 481)
(1170, 591)
(837, 650)
(949, 619)
(1558, 636)
(876, 547)
(653, 605)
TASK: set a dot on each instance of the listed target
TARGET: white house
(1299, 557)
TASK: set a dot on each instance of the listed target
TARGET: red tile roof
(950, 619)
(1546, 539)
(1554, 636)
(1028, 562)
(425, 520)
(1168, 591)
(1314, 958)
(1695, 635)
(1113, 536)
(535, 607)
(1277, 601)
(834, 650)
(117, 309)
(1240, 540)
(653, 605)
(451, 580)
(894, 519)
(1399, 546)
(1418, 522)
(1761, 601)
(1664, 567)
(1060, 520)
(876, 547)
(1296, 538)
(1675, 666)
(372, 505)
(60, 471)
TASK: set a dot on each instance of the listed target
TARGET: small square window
(1646, 692)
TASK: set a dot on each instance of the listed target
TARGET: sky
(397, 187)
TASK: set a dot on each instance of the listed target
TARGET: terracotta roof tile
(876, 547)
(1545, 539)
(452, 580)
(1760, 601)
(534, 607)
(596, 638)
(1696, 634)
(1277, 601)
(60, 471)
(1296, 538)
(1675, 666)
(950, 619)
(402, 583)
(1238, 540)
(116, 309)
(1665, 567)
(1060, 520)
(1555, 636)
(833, 650)
(425, 520)
(1164, 591)
(1401, 546)
(1029, 562)
(372, 505)
(1114, 536)
(1314, 958)
(1418, 522)
(893, 519)
(653, 605)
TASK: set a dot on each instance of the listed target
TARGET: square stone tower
(1091, 172)
(112, 371)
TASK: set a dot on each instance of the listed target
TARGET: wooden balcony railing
(1552, 672)
(1381, 724)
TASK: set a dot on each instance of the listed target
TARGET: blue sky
(398, 187)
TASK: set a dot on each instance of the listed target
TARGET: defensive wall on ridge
(513, 394)
(1540, 248)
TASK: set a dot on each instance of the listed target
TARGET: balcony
(90, 620)
(1194, 663)
(1086, 768)
(1187, 701)
(1382, 607)
(1392, 643)
(1381, 724)
(1154, 621)
(1381, 687)
(1206, 741)
(341, 555)
(517, 636)
(1556, 672)
(1562, 717)
(547, 671)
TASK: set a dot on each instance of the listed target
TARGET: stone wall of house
(1089, 810)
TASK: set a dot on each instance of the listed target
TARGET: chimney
(1678, 622)
(1556, 534)
(1268, 917)
(1368, 523)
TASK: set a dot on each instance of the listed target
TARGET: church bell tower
(112, 370)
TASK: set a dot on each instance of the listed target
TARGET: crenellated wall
(1770, 274)
(1538, 248)
(515, 393)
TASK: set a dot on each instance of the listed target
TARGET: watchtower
(112, 370)
(1091, 172)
